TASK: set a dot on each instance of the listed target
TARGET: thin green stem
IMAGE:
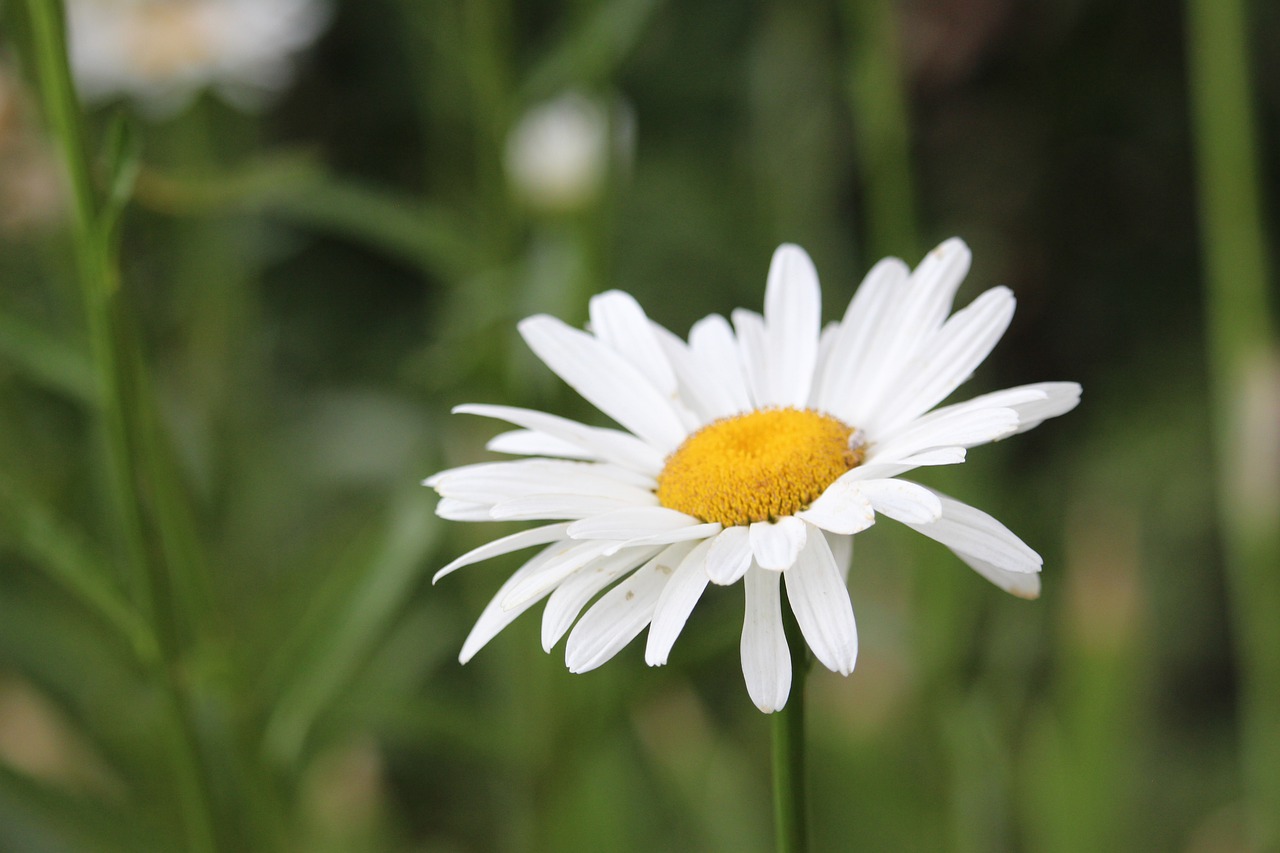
(882, 128)
(485, 29)
(140, 478)
(1243, 372)
(97, 280)
(791, 818)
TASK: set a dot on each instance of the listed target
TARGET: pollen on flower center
(758, 466)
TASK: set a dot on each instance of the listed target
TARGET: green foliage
(228, 354)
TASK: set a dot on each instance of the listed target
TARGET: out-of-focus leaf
(592, 51)
(346, 624)
(296, 189)
(427, 236)
(45, 359)
(122, 162)
(35, 817)
(62, 554)
(387, 694)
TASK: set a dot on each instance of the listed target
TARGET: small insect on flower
(751, 453)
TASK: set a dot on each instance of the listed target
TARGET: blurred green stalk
(139, 475)
(1242, 359)
(790, 812)
(882, 132)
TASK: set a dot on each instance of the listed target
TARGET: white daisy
(162, 53)
(753, 452)
(560, 153)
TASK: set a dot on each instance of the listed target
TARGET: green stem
(139, 478)
(882, 141)
(1243, 372)
(791, 824)
(96, 272)
(486, 32)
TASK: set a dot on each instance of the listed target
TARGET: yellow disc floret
(759, 466)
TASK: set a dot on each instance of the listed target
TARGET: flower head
(753, 452)
(560, 153)
(162, 52)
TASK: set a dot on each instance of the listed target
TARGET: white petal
(821, 604)
(1021, 584)
(629, 523)
(572, 595)
(943, 426)
(713, 344)
(752, 350)
(494, 482)
(938, 277)
(908, 324)
(536, 471)
(618, 320)
(539, 507)
(776, 544)
(605, 379)
(496, 617)
(793, 317)
(455, 510)
(565, 559)
(505, 545)
(676, 603)
(953, 427)
(527, 442)
(729, 556)
(842, 552)
(972, 533)
(872, 471)
(610, 445)
(842, 508)
(766, 660)
(936, 456)
(700, 388)
(983, 419)
(1059, 398)
(1008, 398)
(622, 613)
(694, 532)
(826, 343)
(902, 500)
(947, 360)
(848, 362)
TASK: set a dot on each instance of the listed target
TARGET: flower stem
(882, 144)
(155, 536)
(791, 825)
(1244, 364)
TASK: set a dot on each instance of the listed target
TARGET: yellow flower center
(759, 466)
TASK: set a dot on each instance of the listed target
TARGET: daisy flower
(751, 453)
(162, 53)
(560, 153)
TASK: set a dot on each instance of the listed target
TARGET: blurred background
(330, 218)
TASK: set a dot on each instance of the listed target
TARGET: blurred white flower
(559, 154)
(161, 53)
(754, 452)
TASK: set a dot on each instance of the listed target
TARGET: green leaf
(336, 641)
(294, 188)
(37, 817)
(593, 50)
(61, 553)
(122, 161)
(46, 360)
